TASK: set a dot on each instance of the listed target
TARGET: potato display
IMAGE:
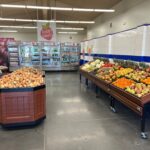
(24, 77)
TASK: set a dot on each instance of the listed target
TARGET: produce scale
(125, 81)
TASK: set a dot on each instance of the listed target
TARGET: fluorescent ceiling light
(68, 32)
(61, 8)
(19, 27)
(7, 19)
(8, 31)
(64, 28)
(57, 8)
(87, 22)
(82, 9)
(57, 21)
(38, 7)
(33, 27)
(104, 10)
(12, 6)
(24, 20)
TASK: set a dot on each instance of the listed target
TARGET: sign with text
(46, 31)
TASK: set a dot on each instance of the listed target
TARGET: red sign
(3, 50)
(46, 32)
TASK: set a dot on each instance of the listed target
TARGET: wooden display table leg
(144, 135)
(96, 91)
(112, 105)
(80, 77)
(86, 82)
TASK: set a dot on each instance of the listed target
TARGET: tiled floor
(77, 120)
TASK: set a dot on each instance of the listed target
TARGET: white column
(144, 41)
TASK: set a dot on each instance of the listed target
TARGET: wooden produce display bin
(97, 81)
(131, 101)
(138, 105)
(22, 106)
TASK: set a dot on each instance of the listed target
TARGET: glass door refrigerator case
(14, 60)
(70, 56)
(65, 56)
(45, 55)
(26, 54)
(74, 56)
(55, 56)
(36, 55)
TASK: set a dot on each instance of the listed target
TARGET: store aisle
(76, 120)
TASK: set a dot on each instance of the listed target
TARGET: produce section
(22, 98)
(128, 85)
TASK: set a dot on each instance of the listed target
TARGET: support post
(144, 135)
(96, 91)
(80, 77)
(86, 82)
(112, 105)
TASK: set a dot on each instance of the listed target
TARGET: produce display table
(138, 105)
(22, 106)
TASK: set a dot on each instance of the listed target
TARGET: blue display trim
(125, 57)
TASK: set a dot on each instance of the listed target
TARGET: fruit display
(24, 77)
(107, 74)
(123, 71)
(93, 65)
(146, 81)
(123, 82)
(138, 89)
(108, 65)
(137, 75)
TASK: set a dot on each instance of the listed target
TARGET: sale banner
(46, 31)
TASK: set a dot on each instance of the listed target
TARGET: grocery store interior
(74, 74)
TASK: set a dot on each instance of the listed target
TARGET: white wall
(129, 14)
(22, 36)
(71, 38)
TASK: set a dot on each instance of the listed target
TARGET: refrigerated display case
(55, 56)
(14, 55)
(65, 56)
(26, 54)
(74, 55)
(50, 53)
(47, 56)
(36, 55)
(70, 56)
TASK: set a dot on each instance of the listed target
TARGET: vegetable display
(24, 77)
